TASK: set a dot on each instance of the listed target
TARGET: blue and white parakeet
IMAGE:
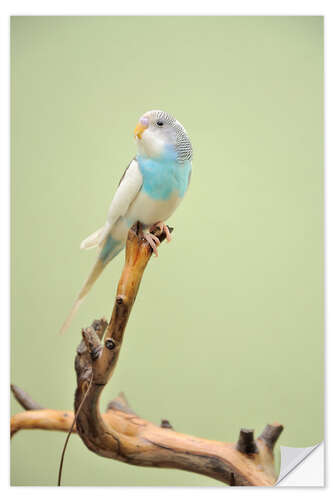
(150, 190)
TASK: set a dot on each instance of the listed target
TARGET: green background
(227, 330)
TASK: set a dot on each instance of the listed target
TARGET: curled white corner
(302, 466)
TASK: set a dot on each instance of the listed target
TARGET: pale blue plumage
(110, 249)
(163, 176)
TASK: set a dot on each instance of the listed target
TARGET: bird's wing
(128, 188)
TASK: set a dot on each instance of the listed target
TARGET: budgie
(151, 188)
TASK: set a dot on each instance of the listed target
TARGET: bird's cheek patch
(153, 145)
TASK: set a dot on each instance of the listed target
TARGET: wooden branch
(54, 420)
(24, 399)
(210, 454)
(50, 420)
(121, 434)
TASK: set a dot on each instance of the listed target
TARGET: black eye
(160, 124)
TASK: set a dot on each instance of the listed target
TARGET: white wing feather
(127, 191)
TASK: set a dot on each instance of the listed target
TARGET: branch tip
(24, 398)
(271, 434)
(120, 403)
(246, 443)
(165, 424)
(92, 342)
(100, 325)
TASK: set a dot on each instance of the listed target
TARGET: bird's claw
(164, 229)
(153, 241)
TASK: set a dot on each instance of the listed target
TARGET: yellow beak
(139, 130)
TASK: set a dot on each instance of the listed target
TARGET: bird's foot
(164, 229)
(153, 241)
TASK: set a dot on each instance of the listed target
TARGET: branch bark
(122, 435)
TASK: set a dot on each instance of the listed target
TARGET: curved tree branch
(121, 434)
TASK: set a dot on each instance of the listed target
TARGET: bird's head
(158, 133)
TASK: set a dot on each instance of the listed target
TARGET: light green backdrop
(227, 330)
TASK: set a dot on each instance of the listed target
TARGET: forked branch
(121, 434)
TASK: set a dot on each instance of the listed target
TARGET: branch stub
(246, 443)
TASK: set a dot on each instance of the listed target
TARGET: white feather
(126, 193)
(92, 240)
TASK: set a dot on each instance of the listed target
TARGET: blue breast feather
(163, 175)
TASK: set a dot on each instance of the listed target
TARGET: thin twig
(70, 432)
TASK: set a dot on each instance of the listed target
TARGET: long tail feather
(95, 273)
(110, 249)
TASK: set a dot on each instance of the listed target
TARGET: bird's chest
(163, 178)
(148, 210)
(164, 184)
